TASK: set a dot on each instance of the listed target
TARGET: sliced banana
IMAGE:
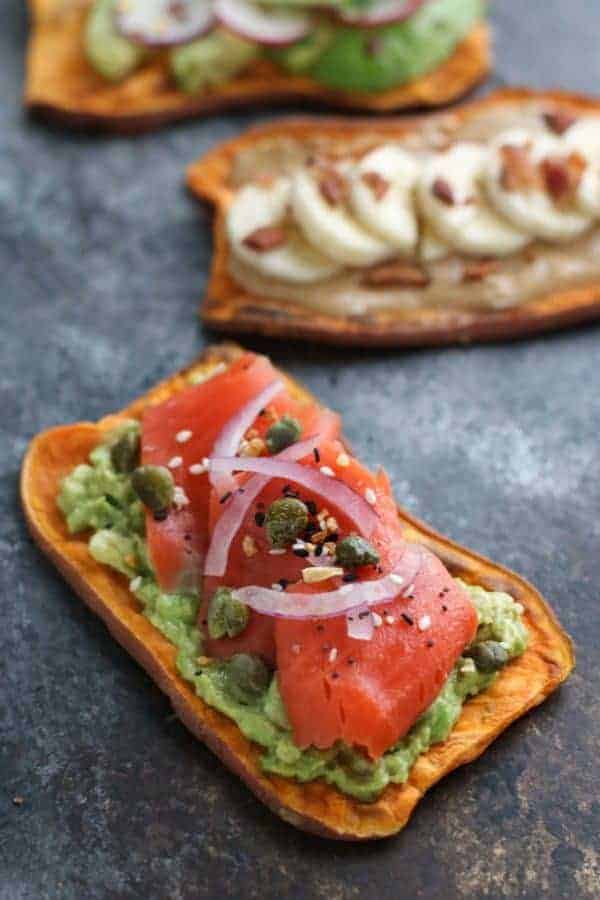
(431, 247)
(331, 226)
(532, 208)
(257, 206)
(382, 198)
(453, 203)
(584, 138)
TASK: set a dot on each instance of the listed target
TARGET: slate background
(103, 258)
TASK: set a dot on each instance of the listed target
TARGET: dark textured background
(103, 258)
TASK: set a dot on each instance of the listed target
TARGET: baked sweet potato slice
(62, 86)
(315, 807)
(229, 307)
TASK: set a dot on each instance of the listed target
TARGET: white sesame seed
(333, 654)
(276, 586)
(424, 623)
(296, 648)
(277, 551)
(397, 579)
(197, 469)
(389, 620)
(326, 470)
(183, 436)
(343, 460)
(175, 462)
(409, 589)
(180, 497)
(377, 620)
(371, 496)
(135, 583)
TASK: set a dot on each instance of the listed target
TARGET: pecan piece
(396, 274)
(479, 269)
(443, 191)
(518, 170)
(562, 175)
(266, 238)
(333, 187)
(559, 120)
(378, 184)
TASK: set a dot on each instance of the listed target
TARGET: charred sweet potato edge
(229, 307)
(315, 807)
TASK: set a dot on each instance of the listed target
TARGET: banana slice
(260, 236)
(517, 189)
(327, 223)
(431, 247)
(584, 138)
(381, 196)
(454, 205)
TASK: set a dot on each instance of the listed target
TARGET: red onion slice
(250, 21)
(228, 442)
(382, 12)
(231, 520)
(163, 23)
(354, 596)
(327, 487)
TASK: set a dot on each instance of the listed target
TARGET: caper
(125, 452)
(247, 677)
(286, 519)
(488, 656)
(354, 551)
(227, 616)
(282, 433)
(154, 486)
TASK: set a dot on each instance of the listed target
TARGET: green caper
(154, 486)
(488, 656)
(247, 677)
(355, 551)
(286, 519)
(125, 452)
(227, 616)
(282, 433)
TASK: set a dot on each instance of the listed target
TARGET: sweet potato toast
(230, 307)
(315, 807)
(63, 87)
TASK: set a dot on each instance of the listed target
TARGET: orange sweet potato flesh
(229, 307)
(315, 807)
(62, 86)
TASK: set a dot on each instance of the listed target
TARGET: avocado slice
(110, 54)
(211, 60)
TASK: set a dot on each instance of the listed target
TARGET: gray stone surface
(103, 259)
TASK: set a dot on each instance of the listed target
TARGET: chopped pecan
(266, 238)
(378, 184)
(519, 172)
(562, 175)
(396, 274)
(479, 269)
(443, 191)
(333, 187)
(559, 120)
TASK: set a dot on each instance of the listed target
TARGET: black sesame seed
(350, 660)
(335, 674)
(408, 619)
(283, 582)
(349, 576)
(161, 515)
(316, 454)
(302, 552)
(318, 549)
(225, 497)
(259, 518)
(430, 643)
(311, 507)
(334, 538)
(444, 607)
(363, 615)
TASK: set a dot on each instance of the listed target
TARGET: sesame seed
(333, 654)
(371, 496)
(276, 587)
(296, 648)
(316, 454)
(174, 462)
(424, 623)
(377, 620)
(180, 498)
(135, 583)
(197, 469)
(408, 619)
(343, 460)
(277, 551)
(183, 436)
(397, 579)
(409, 589)
(389, 620)
(326, 470)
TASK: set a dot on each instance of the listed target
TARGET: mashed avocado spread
(96, 497)
(336, 55)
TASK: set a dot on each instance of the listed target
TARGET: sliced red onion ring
(330, 489)
(354, 596)
(359, 624)
(228, 442)
(275, 29)
(382, 12)
(163, 23)
(231, 520)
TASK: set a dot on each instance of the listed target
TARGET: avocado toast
(214, 652)
(137, 66)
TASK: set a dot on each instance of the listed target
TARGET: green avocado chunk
(211, 60)
(98, 497)
(110, 54)
(376, 59)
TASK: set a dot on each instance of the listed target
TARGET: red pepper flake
(377, 183)
(559, 120)
(562, 176)
(335, 674)
(442, 190)
(333, 187)
(267, 238)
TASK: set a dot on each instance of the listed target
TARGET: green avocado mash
(334, 54)
(95, 496)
